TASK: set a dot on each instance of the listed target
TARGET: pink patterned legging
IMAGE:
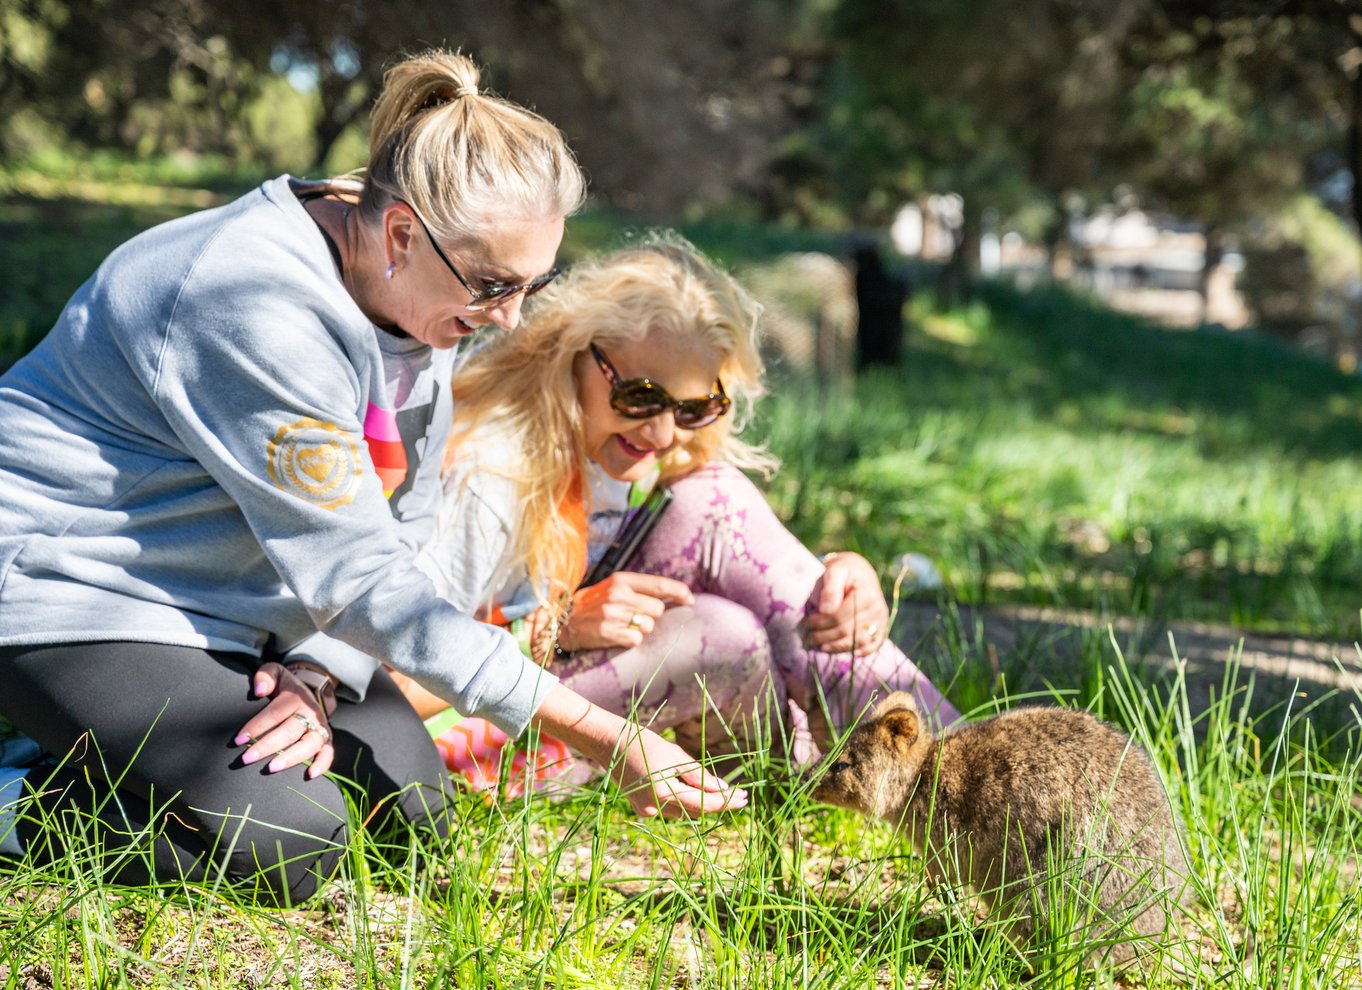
(738, 652)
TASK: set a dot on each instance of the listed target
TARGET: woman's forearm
(591, 730)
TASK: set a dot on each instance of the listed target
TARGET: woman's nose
(506, 314)
(660, 430)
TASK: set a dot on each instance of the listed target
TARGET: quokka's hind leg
(1139, 898)
(1014, 906)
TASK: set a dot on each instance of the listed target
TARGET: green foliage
(1044, 450)
(60, 215)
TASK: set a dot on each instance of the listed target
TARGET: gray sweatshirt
(184, 460)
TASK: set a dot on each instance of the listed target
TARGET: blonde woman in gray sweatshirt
(214, 473)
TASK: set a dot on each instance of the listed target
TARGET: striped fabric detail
(473, 749)
(385, 447)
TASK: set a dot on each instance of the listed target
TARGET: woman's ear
(399, 228)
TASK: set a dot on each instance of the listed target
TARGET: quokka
(1056, 819)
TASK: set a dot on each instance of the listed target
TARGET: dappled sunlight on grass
(1179, 474)
(129, 193)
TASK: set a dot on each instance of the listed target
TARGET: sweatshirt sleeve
(261, 375)
(463, 559)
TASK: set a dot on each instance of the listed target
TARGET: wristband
(319, 681)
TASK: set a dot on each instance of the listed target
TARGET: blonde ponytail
(465, 159)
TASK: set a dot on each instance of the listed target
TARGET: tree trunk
(1057, 243)
(337, 113)
(955, 283)
(1211, 258)
(1355, 146)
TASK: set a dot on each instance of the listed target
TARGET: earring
(392, 268)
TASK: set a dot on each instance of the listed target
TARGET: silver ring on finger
(310, 724)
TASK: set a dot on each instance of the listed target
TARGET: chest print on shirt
(316, 461)
(414, 426)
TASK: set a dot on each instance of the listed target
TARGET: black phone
(638, 522)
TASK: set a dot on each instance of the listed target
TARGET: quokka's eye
(840, 766)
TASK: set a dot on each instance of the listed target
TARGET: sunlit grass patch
(579, 893)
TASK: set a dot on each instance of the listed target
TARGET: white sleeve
(472, 536)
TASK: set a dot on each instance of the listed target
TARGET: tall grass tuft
(579, 893)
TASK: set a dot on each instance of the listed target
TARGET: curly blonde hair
(520, 388)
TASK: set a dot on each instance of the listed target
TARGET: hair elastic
(468, 89)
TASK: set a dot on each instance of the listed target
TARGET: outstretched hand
(661, 778)
(292, 727)
(658, 777)
(850, 614)
(620, 611)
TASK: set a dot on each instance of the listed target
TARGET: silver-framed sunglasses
(493, 293)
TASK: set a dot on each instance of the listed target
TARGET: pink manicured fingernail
(275, 766)
(249, 757)
(242, 739)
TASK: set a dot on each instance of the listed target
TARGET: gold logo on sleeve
(319, 462)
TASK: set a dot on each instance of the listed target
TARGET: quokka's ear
(900, 726)
(893, 702)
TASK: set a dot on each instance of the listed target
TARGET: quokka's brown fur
(1021, 806)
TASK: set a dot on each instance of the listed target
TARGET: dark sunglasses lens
(540, 282)
(493, 294)
(637, 400)
(695, 413)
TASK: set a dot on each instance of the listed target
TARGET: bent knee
(284, 858)
(734, 636)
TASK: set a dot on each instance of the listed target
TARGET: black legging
(159, 722)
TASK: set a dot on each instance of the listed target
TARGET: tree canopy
(820, 110)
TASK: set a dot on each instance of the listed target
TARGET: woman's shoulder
(260, 244)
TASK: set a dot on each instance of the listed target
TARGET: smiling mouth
(637, 453)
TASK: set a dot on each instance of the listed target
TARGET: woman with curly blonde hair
(645, 363)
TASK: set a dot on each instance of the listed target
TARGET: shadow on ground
(1051, 649)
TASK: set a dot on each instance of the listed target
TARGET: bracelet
(319, 681)
(558, 652)
(547, 650)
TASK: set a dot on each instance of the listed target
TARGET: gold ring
(871, 631)
(636, 622)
